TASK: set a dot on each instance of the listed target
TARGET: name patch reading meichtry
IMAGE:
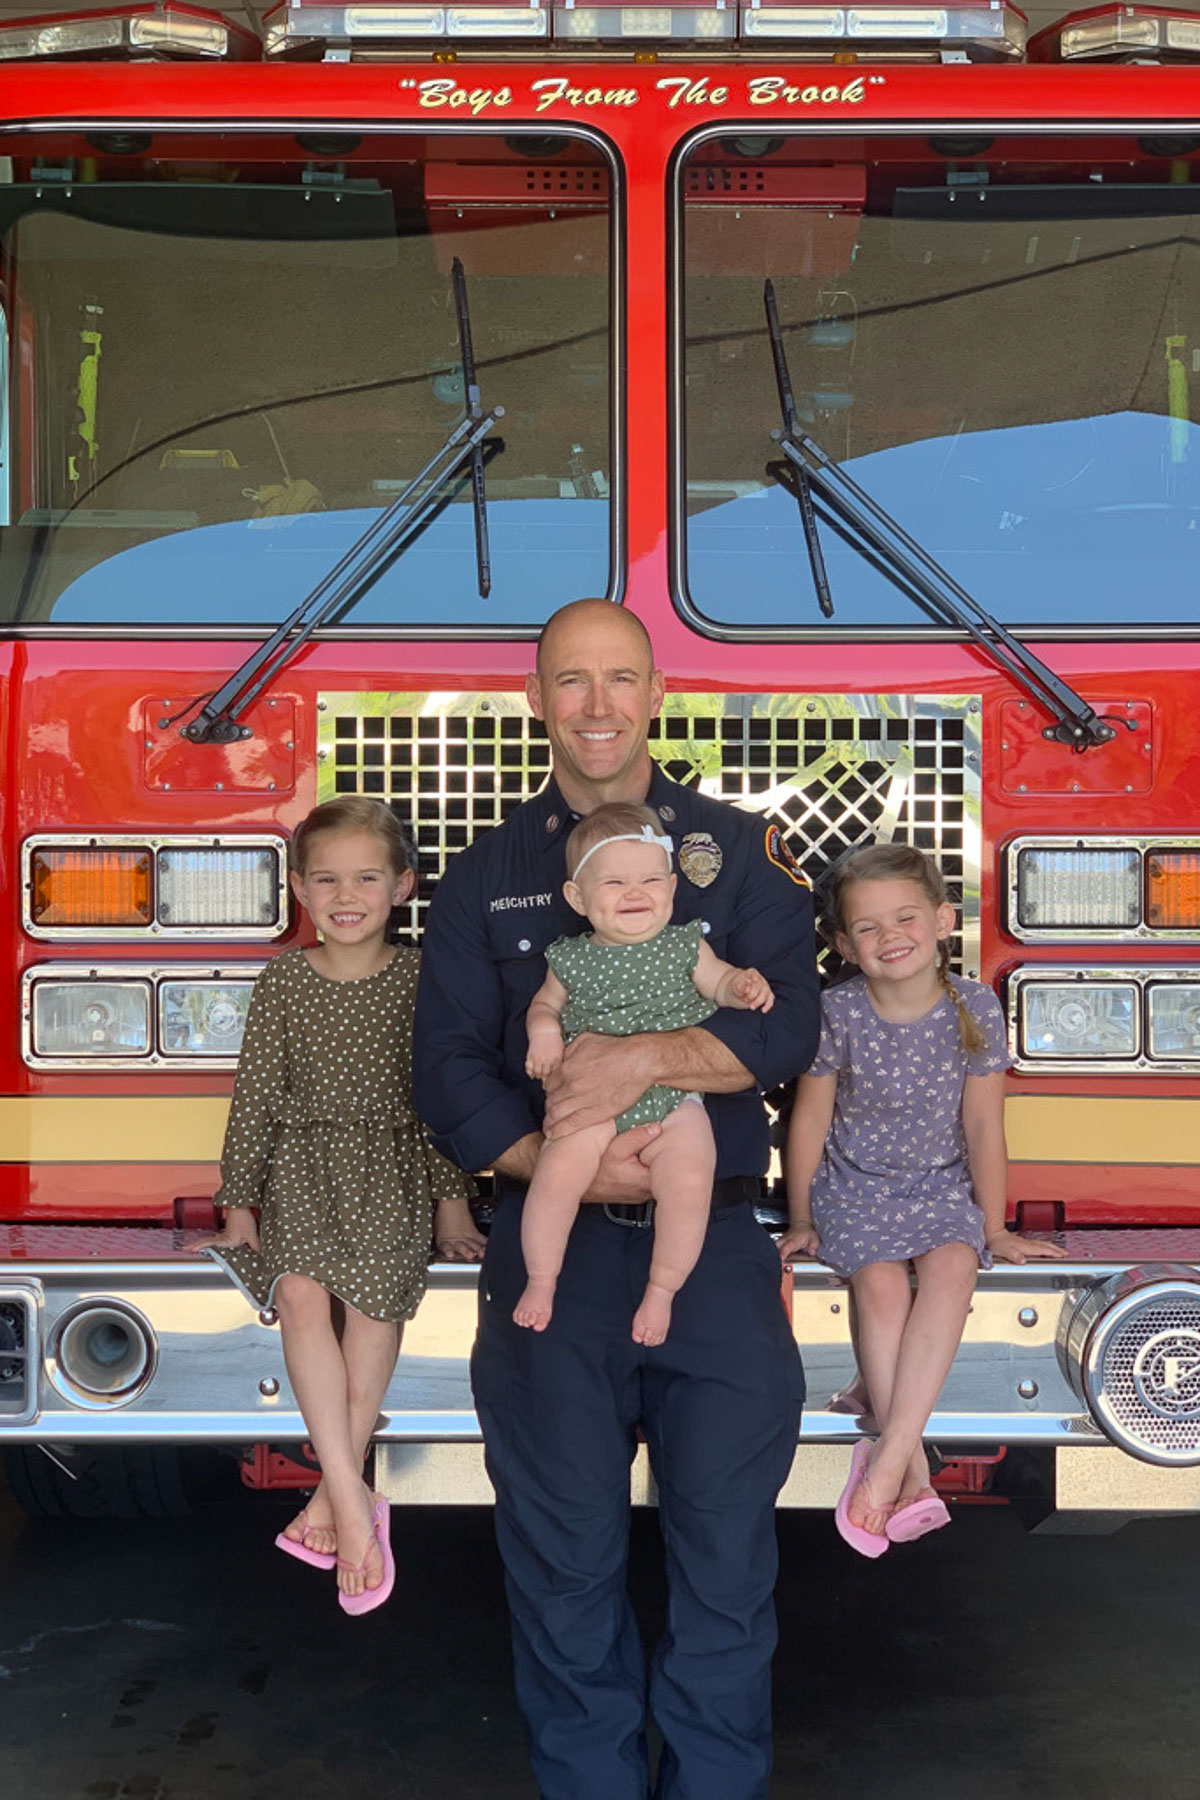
(507, 902)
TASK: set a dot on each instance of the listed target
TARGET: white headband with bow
(647, 835)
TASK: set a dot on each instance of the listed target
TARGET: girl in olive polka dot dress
(633, 972)
(323, 1140)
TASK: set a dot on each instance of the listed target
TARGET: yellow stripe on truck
(73, 1128)
(1060, 1128)
(1042, 1128)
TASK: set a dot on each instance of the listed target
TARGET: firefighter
(719, 1401)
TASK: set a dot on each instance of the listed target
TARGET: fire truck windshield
(999, 351)
(222, 371)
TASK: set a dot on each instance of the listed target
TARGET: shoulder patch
(779, 854)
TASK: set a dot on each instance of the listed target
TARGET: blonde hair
(897, 862)
(617, 818)
(354, 812)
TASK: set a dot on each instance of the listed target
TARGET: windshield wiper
(219, 720)
(877, 536)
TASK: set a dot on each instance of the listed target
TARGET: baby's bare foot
(535, 1306)
(652, 1320)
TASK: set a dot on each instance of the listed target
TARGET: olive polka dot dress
(620, 989)
(322, 1138)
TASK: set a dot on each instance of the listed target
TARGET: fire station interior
(999, 332)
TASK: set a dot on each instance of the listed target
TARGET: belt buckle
(634, 1217)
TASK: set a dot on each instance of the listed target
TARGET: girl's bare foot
(536, 1304)
(356, 1576)
(874, 1499)
(915, 1485)
(652, 1320)
(313, 1525)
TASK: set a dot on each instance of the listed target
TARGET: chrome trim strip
(155, 930)
(1066, 934)
(156, 974)
(1140, 975)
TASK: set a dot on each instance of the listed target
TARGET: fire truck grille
(830, 770)
(1147, 1384)
(16, 1368)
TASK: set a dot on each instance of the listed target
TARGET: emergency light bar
(609, 21)
(1152, 34)
(163, 29)
(299, 29)
(970, 30)
(986, 31)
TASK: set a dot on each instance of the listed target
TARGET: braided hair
(897, 862)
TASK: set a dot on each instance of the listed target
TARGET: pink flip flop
(867, 1543)
(316, 1559)
(915, 1520)
(370, 1598)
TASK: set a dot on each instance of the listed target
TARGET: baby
(633, 972)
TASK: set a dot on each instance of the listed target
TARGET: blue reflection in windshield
(255, 572)
(1082, 521)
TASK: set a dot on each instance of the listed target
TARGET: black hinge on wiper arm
(369, 554)
(912, 568)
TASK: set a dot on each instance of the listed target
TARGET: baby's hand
(753, 991)
(801, 1236)
(1006, 1246)
(241, 1227)
(544, 1055)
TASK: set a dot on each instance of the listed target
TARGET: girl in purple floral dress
(896, 1162)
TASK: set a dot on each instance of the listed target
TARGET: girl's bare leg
(320, 1381)
(565, 1170)
(370, 1358)
(681, 1162)
(883, 1300)
(369, 1349)
(930, 1340)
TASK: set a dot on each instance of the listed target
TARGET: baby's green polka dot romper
(620, 989)
(323, 1138)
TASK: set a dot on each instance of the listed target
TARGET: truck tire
(112, 1482)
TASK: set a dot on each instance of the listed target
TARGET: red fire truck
(852, 348)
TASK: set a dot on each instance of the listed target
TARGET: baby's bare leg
(681, 1164)
(564, 1172)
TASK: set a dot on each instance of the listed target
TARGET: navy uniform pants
(719, 1404)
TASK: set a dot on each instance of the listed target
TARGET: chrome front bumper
(212, 1369)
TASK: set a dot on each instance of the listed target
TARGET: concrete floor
(188, 1660)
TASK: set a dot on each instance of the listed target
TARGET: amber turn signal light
(1173, 890)
(91, 887)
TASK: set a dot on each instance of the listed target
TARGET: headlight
(1143, 1019)
(128, 1014)
(1173, 1013)
(202, 1018)
(1072, 1019)
(125, 887)
(91, 1019)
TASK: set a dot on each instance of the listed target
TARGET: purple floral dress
(894, 1180)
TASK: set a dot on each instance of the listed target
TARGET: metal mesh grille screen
(1151, 1377)
(830, 770)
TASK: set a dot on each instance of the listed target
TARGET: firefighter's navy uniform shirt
(500, 903)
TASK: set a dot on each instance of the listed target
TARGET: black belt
(729, 1190)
